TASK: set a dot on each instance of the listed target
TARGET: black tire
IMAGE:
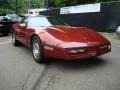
(38, 54)
(5, 33)
(14, 40)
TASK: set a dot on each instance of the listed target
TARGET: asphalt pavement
(18, 70)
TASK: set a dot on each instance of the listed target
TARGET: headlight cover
(105, 46)
(77, 51)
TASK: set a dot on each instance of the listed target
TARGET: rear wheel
(5, 33)
(37, 49)
(14, 40)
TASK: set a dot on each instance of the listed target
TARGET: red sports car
(50, 37)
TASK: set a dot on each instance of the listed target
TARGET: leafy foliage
(62, 3)
(37, 3)
(9, 6)
(22, 5)
(6, 11)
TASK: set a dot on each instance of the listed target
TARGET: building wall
(108, 19)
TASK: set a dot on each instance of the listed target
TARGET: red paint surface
(64, 38)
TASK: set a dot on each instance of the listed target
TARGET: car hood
(74, 36)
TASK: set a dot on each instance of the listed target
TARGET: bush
(7, 11)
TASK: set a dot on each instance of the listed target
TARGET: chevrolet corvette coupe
(50, 37)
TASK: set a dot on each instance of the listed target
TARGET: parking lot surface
(18, 70)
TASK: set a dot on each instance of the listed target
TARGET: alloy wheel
(36, 50)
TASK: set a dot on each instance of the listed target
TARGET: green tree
(22, 5)
(63, 3)
(37, 3)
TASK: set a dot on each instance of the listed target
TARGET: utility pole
(29, 3)
(16, 6)
(43, 4)
(46, 4)
(1, 4)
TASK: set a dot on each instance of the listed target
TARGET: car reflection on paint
(50, 37)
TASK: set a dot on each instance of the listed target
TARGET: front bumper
(92, 51)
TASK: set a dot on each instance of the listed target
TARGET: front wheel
(37, 50)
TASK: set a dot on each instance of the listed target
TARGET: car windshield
(44, 21)
(12, 16)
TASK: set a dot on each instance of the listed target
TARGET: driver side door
(25, 33)
(23, 30)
